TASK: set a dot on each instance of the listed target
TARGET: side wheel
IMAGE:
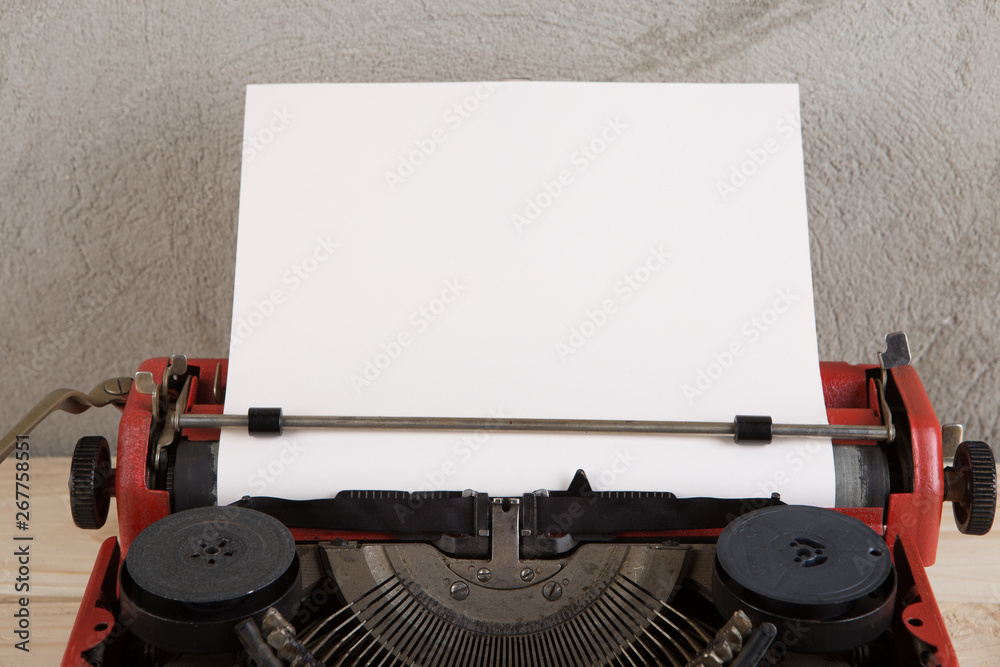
(972, 482)
(90, 482)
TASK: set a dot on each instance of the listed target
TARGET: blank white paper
(551, 250)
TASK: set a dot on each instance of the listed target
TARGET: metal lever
(897, 351)
(109, 392)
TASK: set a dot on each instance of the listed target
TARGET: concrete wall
(121, 143)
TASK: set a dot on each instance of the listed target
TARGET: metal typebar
(839, 431)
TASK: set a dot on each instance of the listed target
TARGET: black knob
(971, 486)
(90, 482)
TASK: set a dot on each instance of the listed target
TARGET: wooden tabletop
(966, 579)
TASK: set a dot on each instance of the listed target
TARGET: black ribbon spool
(191, 576)
(824, 579)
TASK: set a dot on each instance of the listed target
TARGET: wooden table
(966, 578)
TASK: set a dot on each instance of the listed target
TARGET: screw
(460, 590)
(527, 574)
(552, 591)
(114, 387)
(483, 575)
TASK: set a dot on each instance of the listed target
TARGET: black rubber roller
(90, 482)
(753, 429)
(971, 485)
(264, 421)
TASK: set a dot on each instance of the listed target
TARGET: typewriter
(551, 577)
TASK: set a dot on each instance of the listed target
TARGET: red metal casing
(95, 621)
(911, 522)
(138, 505)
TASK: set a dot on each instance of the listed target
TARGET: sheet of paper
(570, 250)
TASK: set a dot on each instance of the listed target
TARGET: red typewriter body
(909, 522)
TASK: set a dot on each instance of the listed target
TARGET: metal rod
(840, 431)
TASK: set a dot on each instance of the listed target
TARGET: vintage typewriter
(551, 577)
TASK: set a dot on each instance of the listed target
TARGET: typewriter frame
(910, 522)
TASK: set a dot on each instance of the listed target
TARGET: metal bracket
(505, 569)
(897, 353)
(952, 435)
(218, 391)
(166, 412)
(884, 408)
(146, 385)
(175, 371)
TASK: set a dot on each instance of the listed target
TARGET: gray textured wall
(121, 144)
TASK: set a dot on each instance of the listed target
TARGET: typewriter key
(191, 576)
(824, 579)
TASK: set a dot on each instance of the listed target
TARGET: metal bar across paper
(841, 431)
